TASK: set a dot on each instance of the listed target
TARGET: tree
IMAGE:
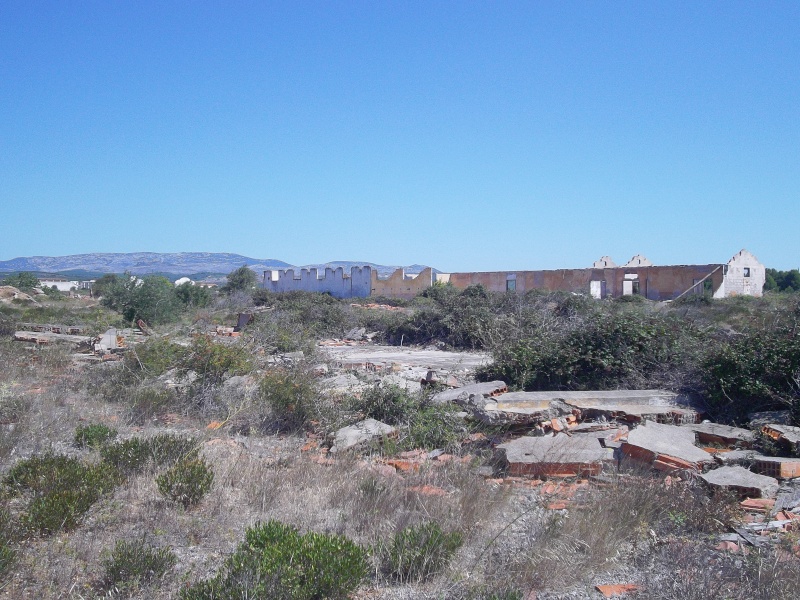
(102, 286)
(151, 298)
(24, 281)
(242, 279)
(193, 296)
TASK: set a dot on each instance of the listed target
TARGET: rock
(742, 481)
(361, 433)
(356, 334)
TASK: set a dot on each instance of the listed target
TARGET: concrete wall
(357, 284)
(744, 276)
(400, 285)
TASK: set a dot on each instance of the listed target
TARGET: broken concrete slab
(558, 455)
(473, 394)
(361, 433)
(742, 481)
(347, 383)
(630, 405)
(401, 382)
(724, 435)
(665, 447)
(514, 408)
(378, 355)
(46, 337)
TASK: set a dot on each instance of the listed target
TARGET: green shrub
(8, 534)
(290, 397)
(61, 489)
(129, 456)
(93, 435)
(759, 370)
(212, 361)
(434, 426)
(276, 561)
(390, 404)
(186, 482)
(154, 357)
(419, 551)
(134, 563)
(135, 454)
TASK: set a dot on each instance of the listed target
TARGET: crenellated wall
(358, 284)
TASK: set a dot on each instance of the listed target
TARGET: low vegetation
(198, 466)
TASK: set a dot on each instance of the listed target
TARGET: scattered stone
(742, 481)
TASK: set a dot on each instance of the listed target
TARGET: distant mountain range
(212, 265)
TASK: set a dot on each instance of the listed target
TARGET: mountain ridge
(176, 263)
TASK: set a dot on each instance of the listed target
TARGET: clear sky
(463, 135)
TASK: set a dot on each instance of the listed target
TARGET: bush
(291, 398)
(155, 357)
(390, 404)
(759, 370)
(186, 482)
(61, 489)
(8, 534)
(94, 435)
(419, 551)
(434, 426)
(276, 561)
(135, 454)
(131, 564)
(212, 361)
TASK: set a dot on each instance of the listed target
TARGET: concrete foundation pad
(559, 455)
(742, 481)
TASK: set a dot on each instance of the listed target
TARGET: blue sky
(463, 135)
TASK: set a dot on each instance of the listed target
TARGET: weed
(186, 482)
(93, 435)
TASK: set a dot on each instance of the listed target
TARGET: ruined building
(741, 275)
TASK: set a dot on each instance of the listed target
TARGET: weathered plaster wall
(656, 283)
(333, 281)
(745, 276)
(400, 285)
